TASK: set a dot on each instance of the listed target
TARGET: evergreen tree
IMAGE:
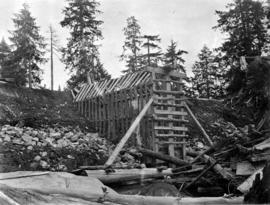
(173, 57)
(245, 27)
(132, 45)
(29, 49)
(81, 55)
(207, 80)
(153, 50)
(4, 51)
(4, 55)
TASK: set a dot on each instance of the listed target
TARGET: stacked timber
(225, 167)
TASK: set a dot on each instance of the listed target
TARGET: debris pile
(224, 167)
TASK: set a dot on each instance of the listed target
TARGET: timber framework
(112, 105)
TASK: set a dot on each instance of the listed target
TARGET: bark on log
(123, 175)
(85, 197)
(163, 157)
(217, 167)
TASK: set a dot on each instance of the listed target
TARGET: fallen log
(64, 188)
(217, 167)
(200, 175)
(163, 157)
(66, 196)
(123, 175)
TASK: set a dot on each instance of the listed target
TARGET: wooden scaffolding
(112, 105)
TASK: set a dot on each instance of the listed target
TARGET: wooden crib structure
(112, 105)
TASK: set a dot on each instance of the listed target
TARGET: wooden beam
(124, 175)
(200, 175)
(128, 133)
(163, 157)
(206, 136)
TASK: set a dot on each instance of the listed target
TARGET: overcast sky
(189, 22)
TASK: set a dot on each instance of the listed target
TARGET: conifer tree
(4, 50)
(208, 78)
(244, 24)
(174, 57)
(4, 55)
(153, 55)
(81, 54)
(132, 45)
(29, 49)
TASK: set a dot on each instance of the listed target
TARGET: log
(86, 197)
(200, 175)
(206, 136)
(163, 157)
(217, 168)
(64, 188)
(124, 175)
(128, 134)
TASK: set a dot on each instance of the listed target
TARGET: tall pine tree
(244, 24)
(153, 55)
(208, 78)
(173, 58)
(132, 45)
(4, 50)
(81, 55)
(29, 49)
(4, 55)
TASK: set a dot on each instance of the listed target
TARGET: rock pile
(55, 149)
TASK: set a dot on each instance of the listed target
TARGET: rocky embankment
(55, 149)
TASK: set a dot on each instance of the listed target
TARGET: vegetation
(244, 24)
(132, 45)
(173, 57)
(207, 80)
(217, 72)
(153, 55)
(28, 50)
(81, 56)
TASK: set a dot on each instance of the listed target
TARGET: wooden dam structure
(112, 105)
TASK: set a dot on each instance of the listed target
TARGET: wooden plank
(170, 98)
(78, 97)
(247, 184)
(156, 118)
(128, 133)
(170, 142)
(166, 112)
(171, 135)
(169, 92)
(167, 104)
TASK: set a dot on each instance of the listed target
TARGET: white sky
(189, 22)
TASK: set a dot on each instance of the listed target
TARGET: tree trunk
(163, 157)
